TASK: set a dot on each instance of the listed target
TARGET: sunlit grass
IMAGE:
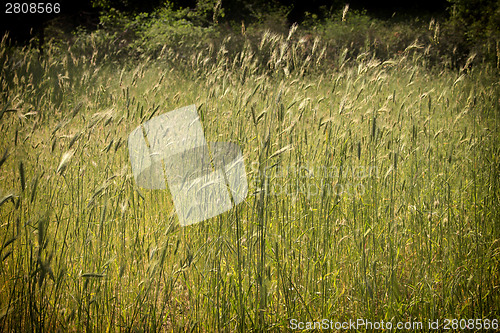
(373, 193)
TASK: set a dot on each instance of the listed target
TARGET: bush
(185, 37)
(474, 26)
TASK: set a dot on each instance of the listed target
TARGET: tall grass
(374, 189)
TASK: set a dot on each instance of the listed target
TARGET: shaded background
(23, 27)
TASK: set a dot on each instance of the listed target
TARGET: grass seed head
(22, 175)
(4, 157)
(65, 161)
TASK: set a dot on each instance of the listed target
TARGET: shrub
(474, 26)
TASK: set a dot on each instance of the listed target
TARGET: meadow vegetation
(372, 166)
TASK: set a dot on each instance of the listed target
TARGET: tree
(481, 18)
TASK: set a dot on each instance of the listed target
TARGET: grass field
(373, 193)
